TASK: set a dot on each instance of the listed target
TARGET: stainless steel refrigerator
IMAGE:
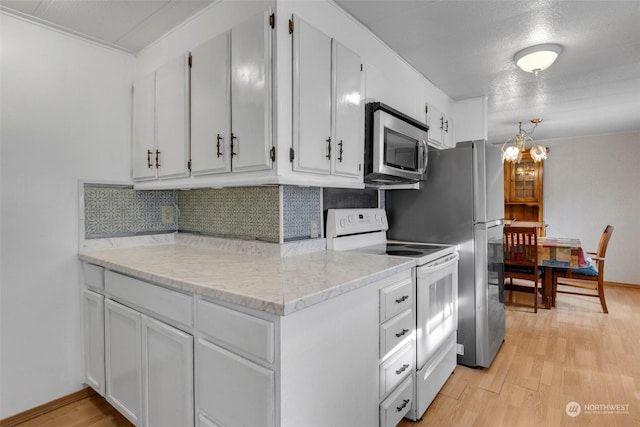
(462, 203)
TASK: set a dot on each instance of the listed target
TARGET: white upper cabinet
(348, 112)
(311, 99)
(251, 94)
(210, 101)
(328, 120)
(440, 128)
(144, 128)
(161, 122)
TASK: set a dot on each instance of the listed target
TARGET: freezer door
(488, 182)
(490, 316)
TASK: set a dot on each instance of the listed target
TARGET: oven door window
(400, 151)
(437, 312)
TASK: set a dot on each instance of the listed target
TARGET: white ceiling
(465, 48)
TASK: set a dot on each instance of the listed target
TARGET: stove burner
(404, 253)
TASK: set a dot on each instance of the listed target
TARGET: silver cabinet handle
(403, 299)
(399, 334)
(401, 370)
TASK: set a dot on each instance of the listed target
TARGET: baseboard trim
(46, 407)
(622, 285)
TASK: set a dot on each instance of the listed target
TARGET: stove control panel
(342, 222)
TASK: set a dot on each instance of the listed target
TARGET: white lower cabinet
(124, 360)
(233, 391)
(149, 368)
(93, 331)
(167, 374)
(175, 359)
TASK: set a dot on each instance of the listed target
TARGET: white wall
(66, 114)
(590, 182)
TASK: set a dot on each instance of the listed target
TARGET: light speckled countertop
(268, 283)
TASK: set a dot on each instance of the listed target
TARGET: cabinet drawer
(396, 331)
(396, 369)
(93, 276)
(396, 406)
(396, 298)
(172, 306)
(236, 330)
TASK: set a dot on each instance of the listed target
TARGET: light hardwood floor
(573, 352)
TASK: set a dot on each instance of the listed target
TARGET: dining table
(558, 252)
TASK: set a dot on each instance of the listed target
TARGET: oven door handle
(430, 269)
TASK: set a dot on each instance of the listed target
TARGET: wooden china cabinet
(523, 198)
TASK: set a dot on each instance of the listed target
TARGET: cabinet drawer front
(396, 406)
(432, 377)
(396, 298)
(172, 306)
(232, 391)
(236, 330)
(93, 276)
(396, 369)
(396, 331)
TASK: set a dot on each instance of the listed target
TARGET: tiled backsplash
(244, 212)
(112, 211)
(302, 212)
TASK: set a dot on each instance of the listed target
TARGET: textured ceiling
(465, 48)
(126, 24)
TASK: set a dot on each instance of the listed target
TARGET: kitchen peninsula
(244, 339)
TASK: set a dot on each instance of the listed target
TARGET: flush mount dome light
(537, 58)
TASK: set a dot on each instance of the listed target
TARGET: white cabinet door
(311, 98)
(251, 94)
(172, 118)
(232, 391)
(435, 120)
(348, 112)
(144, 128)
(123, 357)
(210, 106)
(93, 326)
(167, 362)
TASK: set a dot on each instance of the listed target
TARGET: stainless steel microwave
(395, 146)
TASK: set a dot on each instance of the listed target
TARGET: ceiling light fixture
(513, 148)
(537, 58)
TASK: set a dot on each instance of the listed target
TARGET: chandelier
(513, 148)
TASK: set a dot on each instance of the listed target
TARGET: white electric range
(436, 290)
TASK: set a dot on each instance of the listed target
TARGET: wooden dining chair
(521, 260)
(590, 279)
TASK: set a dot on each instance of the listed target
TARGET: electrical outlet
(167, 214)
(460, 349)
(314, 232)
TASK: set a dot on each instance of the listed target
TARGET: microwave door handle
(424, 157)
